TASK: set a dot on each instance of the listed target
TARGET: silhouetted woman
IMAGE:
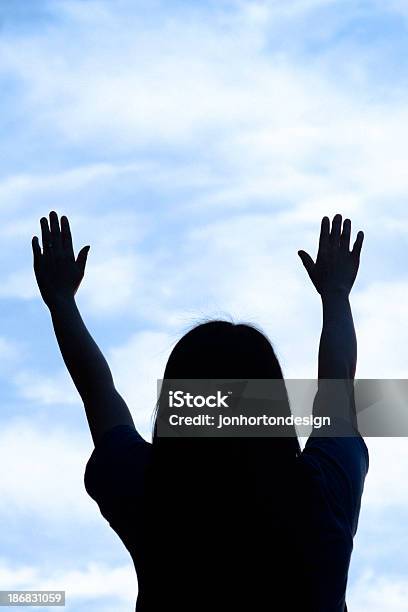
(223, 523)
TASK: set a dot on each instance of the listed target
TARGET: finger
(324, 234)
(335, 230)
(55, 231)
(36, 251)
(358, 244)
(81, 259)
(307, 261)
(46, 236)
(345, 235)
(66, 235)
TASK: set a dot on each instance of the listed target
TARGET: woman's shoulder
(121, 455)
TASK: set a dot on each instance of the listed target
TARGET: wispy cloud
(379, 593)
(95, 582)
(45, 475)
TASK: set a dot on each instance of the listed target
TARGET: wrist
(334, 294)
(60, 301)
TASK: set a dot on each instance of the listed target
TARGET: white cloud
(136, 366)
(19, 186)
(378, 593)
(19, 284)
(113, 284)
(57, 388)
(12, 353)
(276, 126)
(93, 582)
(381, 328)
(37, 458)
(388, 467)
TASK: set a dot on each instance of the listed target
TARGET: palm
(57, 272)
(336, 266)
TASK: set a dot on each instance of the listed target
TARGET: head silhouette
(222, 349)
(218, 349)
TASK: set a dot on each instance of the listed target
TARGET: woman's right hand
(336, 267)
(57, 272)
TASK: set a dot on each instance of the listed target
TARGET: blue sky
(195, 147)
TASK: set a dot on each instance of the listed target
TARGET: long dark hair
(219, 349)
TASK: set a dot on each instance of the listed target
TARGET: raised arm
(333, 275)
(59, 275)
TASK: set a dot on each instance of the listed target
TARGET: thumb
(307, 261)
(82, 257)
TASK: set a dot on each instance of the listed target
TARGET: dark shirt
(302, 557)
